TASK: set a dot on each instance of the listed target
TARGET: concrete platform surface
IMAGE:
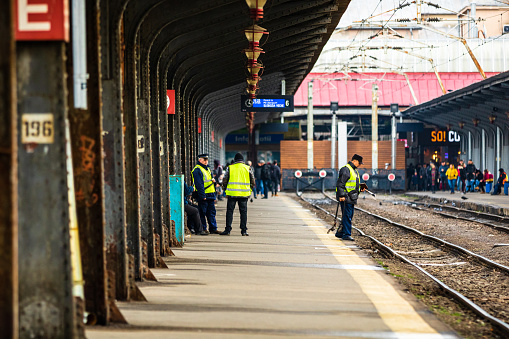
(499, 201)
(289, 278)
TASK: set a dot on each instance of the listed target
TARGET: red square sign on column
(170, 101)
(44, 20)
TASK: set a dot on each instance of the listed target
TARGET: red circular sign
(298, 174)
(365, 177)
(322, 174)
(391, 177)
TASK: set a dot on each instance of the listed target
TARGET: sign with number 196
(37, 128)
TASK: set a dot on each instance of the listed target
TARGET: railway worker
(347, 193)
(204, 185)
(502, 179)
(238, 183)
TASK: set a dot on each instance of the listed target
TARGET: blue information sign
(267, 103)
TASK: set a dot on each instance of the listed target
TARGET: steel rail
(501, 325)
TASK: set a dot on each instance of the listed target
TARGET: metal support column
(498, 147)
(393, 141)
(8, 177)
(86, 146)
(333, 140)
(47, 308)
(113, 149)
(163, 131)
(469, 150)
(310, 133)
(483, 149)
(374, 129)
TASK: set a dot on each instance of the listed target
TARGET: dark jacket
(470, 171)
(344, 176)
(501, 178)
(188, 190)
(442, 170)
(198, 183)
(258, 172)
(226, 178)
(462, 173)
(423, 172)
(266, 172)
(276, 173)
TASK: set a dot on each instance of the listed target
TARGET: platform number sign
(37, 128)
(322, 173)
(391, 177)
(365, 177)
(298, 174)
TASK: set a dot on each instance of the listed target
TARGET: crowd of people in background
(463, 178)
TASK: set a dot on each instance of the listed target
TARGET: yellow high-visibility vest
(354, 180)
(239, 184)
(207, 179)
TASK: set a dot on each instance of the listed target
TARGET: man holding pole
(347, 193)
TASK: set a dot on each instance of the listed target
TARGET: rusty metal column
(113, 148)
(8, 177)
(132, 145)
(86, 144)
(145, 155)
(165, 175)
(45, 279)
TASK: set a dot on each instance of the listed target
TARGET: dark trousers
(443, 180)
(230, 208)
(193, 218)
(267, 183)
(346, 220)
(275, 183)
(208, 210)
(497, 189)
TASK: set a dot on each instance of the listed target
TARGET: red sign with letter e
(42, 20)
(170, 101)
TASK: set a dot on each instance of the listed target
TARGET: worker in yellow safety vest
(347, 193)
(205, 193)
(238, 183)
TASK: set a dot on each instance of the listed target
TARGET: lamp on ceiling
(254, 34)
(492, 118)
(254, 70)
(253, 55)
(252, 84)
(448, 126)
(256, 8)
(462, 124)
(475, 121)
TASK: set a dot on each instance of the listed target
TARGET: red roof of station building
(355, 90)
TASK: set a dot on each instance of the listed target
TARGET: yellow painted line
(395, 311)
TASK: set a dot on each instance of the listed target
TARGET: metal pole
(483, 149)
(79, 53)
(473, 6)
(393, 143)
(469, 151)
(283, 92)
(498, 147)
(310, 125)
(374, 129)
(333, 140)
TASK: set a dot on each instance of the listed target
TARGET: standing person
(409, 173)
(433, 177)
(462, 176)
(452, 175)
(238, 183)
(423, 173)
(470, 176)
(347, 193)
(267, 179)
(488, 179)
(443, 177)
(415, 181)
(258, 177)
(204, 185)
(218, 176)
(502, 179)
(479, 180)
(193, 215)
(276, 177)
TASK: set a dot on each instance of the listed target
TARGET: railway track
(464, 275)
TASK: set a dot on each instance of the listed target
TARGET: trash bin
(488, 187)
(506, 188)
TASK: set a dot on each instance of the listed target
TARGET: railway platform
(492, 203)
(289, 278)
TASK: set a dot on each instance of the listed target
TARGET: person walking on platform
(433, 177)
(193, 215)
(204, 185)
(502, 179)
(443, 177)
(347, 193)
(276, 177)
(267, 179)
(470, 176)
(462, 176)
(258, 177)
(452, 175)
(218, 177)
(423, 181)
(238, 182)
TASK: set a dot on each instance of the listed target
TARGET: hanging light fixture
(254, 34)
(256, 8)
(254, 70)
(492, 118)
(253, 55)
(462, 124)
(448, 126)
(475, 121)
